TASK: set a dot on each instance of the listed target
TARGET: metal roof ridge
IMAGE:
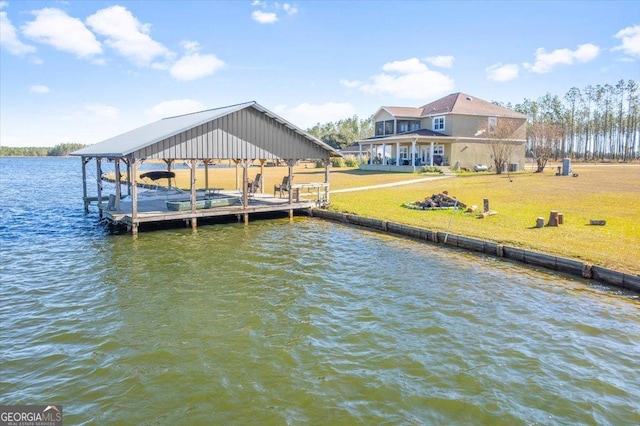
(207, 110)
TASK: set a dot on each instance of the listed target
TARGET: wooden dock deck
(154, 208)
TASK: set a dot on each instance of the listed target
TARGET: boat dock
(156, 208)
(243, 134)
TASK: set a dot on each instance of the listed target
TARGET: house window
(408, 125)
(379, 128)
(388, 127)
(438, 123)
(492, 124)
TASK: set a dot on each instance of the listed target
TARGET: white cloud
(546, 61)
(55, 28)
(3, 4)
(264, 17)
(193, 65)
(172, 108)
(290, 9)
(586, 52)
(440, 61)
(94, 113)
(409, 66)
(9, 38)
(101, 111)
(308, 115)
(351, 84)
(630, 38)
(127, 36)
(501, 73)
(409, 79)
(39, 89)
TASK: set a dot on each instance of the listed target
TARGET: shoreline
(573, 267)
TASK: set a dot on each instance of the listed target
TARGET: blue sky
(83, 71)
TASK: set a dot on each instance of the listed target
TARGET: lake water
(303, 322)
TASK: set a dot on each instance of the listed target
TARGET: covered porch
(403, 154)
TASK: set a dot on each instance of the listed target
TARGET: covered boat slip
(244, 133)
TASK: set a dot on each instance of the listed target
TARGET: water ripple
(294, 322)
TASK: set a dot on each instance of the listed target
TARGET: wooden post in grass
(540, 222)
(560, 218)
(486, 205)
(553, 218)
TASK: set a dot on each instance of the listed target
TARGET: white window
(438, 123)
(492, 124)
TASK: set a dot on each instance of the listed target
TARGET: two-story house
(456, 130)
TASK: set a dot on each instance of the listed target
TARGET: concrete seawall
(555, 263)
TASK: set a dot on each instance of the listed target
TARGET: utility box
(513, 167)
(566, 166)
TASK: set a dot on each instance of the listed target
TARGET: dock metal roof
(242, 131)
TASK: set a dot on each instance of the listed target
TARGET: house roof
(245, 130)
(408, 112)
(456, 103)
(461, 103)
(354, 147)
(410, 134)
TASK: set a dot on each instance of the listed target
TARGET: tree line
(596, 123)
(342, 133)
(59, 150)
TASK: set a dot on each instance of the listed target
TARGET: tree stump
(486, 205)
(540, 222)
(553, 218)
(560, 218)
(598, 222)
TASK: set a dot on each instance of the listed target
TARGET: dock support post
(84, 184)
(118, 184)
(246, 218)
(134, 229)
(128, 163)
(194, 221)
(290, 164)
(99, 184)
(134, 194)
(326, 180)
(206, 176)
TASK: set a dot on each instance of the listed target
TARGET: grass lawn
(610, 192)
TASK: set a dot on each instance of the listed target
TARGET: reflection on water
(302, 322)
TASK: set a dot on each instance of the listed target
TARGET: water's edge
(571, 267)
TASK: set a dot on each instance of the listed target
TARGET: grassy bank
(610, 192)
(599, 192)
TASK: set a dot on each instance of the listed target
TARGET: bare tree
(544, 136)
(503, 139)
